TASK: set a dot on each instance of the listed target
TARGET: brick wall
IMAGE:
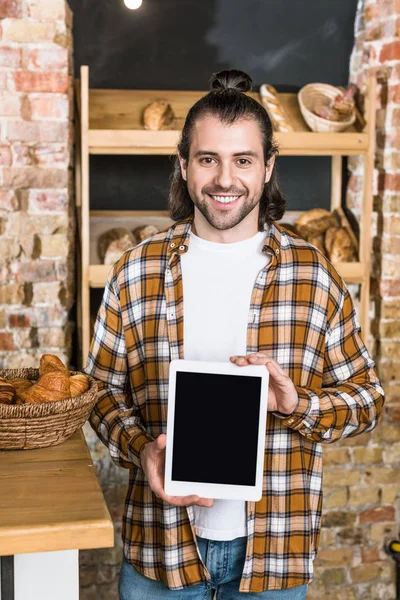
(362, 475)
(36, 193)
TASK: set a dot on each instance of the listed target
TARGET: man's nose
(224, 177)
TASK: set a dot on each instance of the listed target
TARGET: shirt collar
(180, 235)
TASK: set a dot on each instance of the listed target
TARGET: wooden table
(51, 506)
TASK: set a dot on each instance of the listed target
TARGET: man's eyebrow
(210, 153)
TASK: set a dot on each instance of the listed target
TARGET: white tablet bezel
(213, 490)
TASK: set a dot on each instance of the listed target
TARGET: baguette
(272, 104)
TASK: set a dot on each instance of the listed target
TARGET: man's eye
(207, 160)
(244, 161)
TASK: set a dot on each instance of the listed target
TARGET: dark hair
(227, 100)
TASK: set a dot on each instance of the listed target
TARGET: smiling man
(226, 282)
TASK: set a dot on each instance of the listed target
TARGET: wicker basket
(24, 426)
(311, 97)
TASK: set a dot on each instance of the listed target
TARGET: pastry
(20, 385)
(158, 115)
(315, 222)
(7, 392)
(79, 384)
(113, 243)
(144, 231)
(50, 362)
(50, 387)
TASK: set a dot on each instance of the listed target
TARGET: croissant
(20, 385)
(78, 384)
(7, 392)
(50, 362)
(50, 387)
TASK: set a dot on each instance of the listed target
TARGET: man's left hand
(282, 395)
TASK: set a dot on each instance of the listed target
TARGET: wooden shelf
(102, 220)
(110, 122)
(115, 126)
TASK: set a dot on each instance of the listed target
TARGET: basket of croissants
(43, 407)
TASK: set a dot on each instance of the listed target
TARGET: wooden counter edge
(74, 536)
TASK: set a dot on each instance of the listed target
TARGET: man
(225, 282)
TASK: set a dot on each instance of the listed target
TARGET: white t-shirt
(218, 281)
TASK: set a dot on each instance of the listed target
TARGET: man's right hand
(152, 458)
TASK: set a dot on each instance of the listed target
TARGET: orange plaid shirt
(300, 314)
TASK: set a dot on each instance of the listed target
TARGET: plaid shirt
(301, 314)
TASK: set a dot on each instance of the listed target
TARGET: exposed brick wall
(36, 189)
(362, 475)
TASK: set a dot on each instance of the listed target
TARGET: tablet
(216, 429)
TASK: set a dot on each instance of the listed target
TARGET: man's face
(226, 173)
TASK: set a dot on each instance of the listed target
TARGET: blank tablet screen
(216, 428)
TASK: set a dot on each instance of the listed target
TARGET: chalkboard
(178, 44)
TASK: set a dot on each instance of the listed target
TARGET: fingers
(186, 500)
(161, 441)
(258, 358)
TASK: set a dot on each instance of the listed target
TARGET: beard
(224, 219)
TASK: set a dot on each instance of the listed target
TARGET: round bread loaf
(315, 222)
(158, 115)
(144, 232)
(318, 242)
(113, 243)
(339, 245)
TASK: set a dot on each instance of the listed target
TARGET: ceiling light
(133, 4)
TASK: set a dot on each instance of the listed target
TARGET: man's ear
(183, 166)
(269, 168)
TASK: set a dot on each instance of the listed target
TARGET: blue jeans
(224, 560)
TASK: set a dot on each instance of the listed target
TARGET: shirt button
(172, 245)
(277, 251)
(290, 420)
(182, 248)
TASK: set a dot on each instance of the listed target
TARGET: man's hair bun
(231, 79)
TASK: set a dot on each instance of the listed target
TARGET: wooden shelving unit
(109, 122)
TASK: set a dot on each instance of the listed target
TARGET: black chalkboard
(178, 44)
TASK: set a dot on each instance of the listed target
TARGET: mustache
(216, 191)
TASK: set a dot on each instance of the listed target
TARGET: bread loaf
(272, 104)
(50, 387)
(7, 392)
(144, 232)
(339, 245)
(113, 243)
(315, 222)
(158, 115)
(318, 242)
(79, 384)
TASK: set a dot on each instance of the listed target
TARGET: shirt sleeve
(114, 418)
(351, 398)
